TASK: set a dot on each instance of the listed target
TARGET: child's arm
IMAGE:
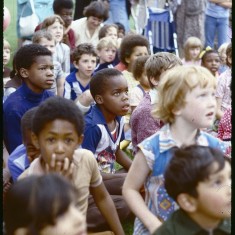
(107, 208)
(60, 86)
(131, 191)
(123, 159)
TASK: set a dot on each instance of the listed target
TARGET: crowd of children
(98, 131)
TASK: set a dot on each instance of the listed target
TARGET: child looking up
(139, 73)
(43, 205)
(192, 49)
(210, 60)
(34, 65)
(57, 133)
(84, 60)
(55, 25)
(64, 8)
(180, 89)
(142, 123)
(45, 39)
(198, 178)
(106, 51)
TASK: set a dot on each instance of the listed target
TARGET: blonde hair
(191, 42)
(160, 62)
(51, 20)
(106, 42)
(6, 44)
(174, 86)
(222, 49)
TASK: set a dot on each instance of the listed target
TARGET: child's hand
(64, 168)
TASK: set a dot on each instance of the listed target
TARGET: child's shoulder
(83, 156)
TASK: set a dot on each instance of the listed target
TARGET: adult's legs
(222, 31)
(210, 30)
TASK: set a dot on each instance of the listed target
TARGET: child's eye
(68, 140)
(116, 93)
(50, 140)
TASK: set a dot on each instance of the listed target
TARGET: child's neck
(83, 79)
(182, 134)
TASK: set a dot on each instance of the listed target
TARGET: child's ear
(24, 73)
(35, 140)
(187, 202)
(127, 59)
(75, 63)
(21, 231)
(99, 99)
(80, 139)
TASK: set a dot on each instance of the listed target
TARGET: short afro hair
(99, 81)
(57, 108)
(58, 5)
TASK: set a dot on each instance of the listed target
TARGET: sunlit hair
(51, 20)
(229, 54)
(175, 84)
(160, 62)
(6, 44)
(192, 42)
(106, 42)
(38, 35)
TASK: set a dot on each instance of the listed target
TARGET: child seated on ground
(106, 51)
(43, 205)
(104, 126)
(198, 178)
(139, 73)
(57, 133)
(186, 103)
(44, 38)
(142, 123)
(24, 154)
(33, 64)
(210, 60)
(192, 49)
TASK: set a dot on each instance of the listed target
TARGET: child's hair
(120, 27)
(26, 121)
(81, 49)
(175, 84)
(138, 66)
(6, 44)
(26, 56)
(229, 54)
(106, 43)
(58, 5)
(36, 202)
(222, 48)
(57, 108)
(207, 52)
(160, 62)
(189, 166)
(98, 83)
(191, 42)
(96, 9)
(129, 42)
(38, 35)
(51, 20)
(104, 30)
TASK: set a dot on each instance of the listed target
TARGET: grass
(10, 33)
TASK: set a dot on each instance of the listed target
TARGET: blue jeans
(213, 27)
(118, 13)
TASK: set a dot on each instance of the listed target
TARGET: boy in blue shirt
(198, 178)
(34, 65)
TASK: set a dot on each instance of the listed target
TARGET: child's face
(212, 62)
(67, 16)
(199, 108)
(57, 31)
(194, 52)
(49, 44)
(40, 75)
(6, 55)
(137, 51)
(214, 195)
(223, 57)
(58, 137)
(107, 54)
(93, 22)
(86, 65)
(72, 222)
(112, 33)
(121, 33)
(115, 99)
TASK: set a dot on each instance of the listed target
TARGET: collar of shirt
(166, 141)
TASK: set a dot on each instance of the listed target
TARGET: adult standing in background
(43, 9)
(217, 22)
(87, 28)
(189, 18)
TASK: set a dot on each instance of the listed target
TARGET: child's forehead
(111, 28)
(88, 56)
